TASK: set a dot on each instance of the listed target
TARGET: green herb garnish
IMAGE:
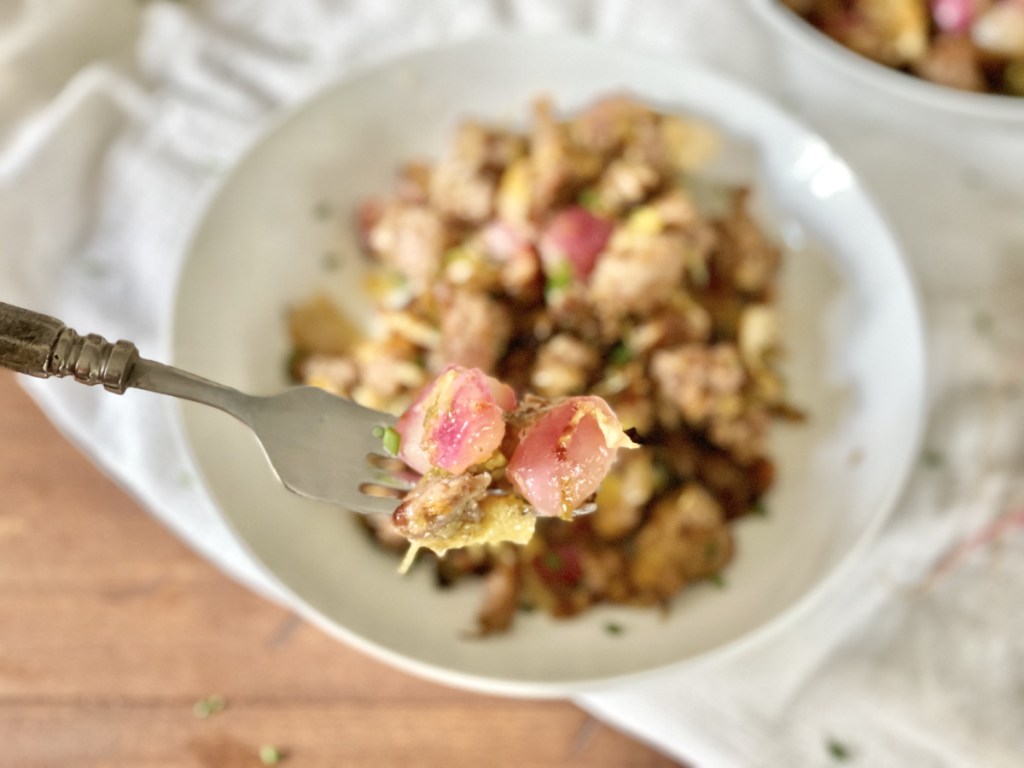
(589, 199)
(620, 354)
(559, 278)
(270, 755)
(211, 705)
(614, 629)
(932, 458)
(458, 253)
(717, 579)
(552, 561)
(839, 751)
(711, 550)
(389, 439)
(760, 509)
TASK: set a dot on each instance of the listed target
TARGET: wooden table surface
(111, 629)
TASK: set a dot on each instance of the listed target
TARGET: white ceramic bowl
(855, 362)
(791, 29)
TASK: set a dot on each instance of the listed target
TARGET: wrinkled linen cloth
(115, 125)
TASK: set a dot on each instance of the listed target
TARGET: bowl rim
(792, 27)
(533, 689)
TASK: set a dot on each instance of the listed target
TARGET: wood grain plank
(111, 630)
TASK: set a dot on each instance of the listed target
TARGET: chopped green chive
(620, 354)
(552, 561)
(389, 439)
(614, 629)
(760, 509)
(559, 278)
(711, 550)
(589, 199)
(932, 458)
(458, 253)
(718, 580)
(270, 755)
(211, 705)
(839, 751)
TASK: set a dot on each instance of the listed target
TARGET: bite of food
(489, 466)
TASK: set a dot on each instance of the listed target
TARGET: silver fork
(319, 445)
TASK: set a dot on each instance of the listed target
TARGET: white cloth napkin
(115, 125)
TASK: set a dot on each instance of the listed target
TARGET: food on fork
(581, 263)
(490, 466)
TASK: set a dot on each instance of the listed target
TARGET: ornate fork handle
(40, 345)
(43, 346)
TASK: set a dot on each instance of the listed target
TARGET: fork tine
(389, 463)
(385, 486)
(389, 471)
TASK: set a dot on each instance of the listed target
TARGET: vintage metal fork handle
(43, 346)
